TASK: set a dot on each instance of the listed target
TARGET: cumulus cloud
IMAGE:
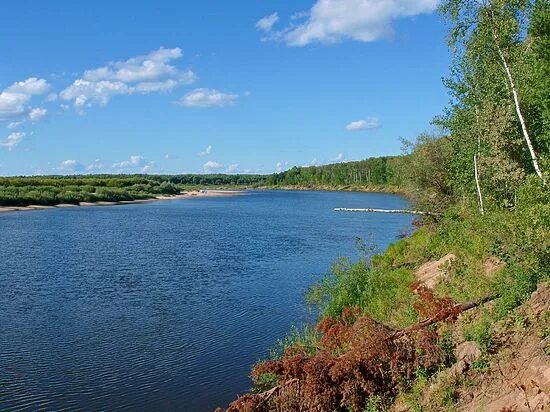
(150, 73)
(232, 168)
(149, 167)
(85, 93)
(280, 166)
(95, 166)
(12, 140)
(212, 166)
(37, 113)
(133, 162)
(331, 21)
(266, 23)
(207, 98)
(13, 99)
(370, 123)
(206, 151)
(32, 86)
(70, 165)
(149, 67)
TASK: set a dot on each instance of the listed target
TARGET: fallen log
(400, 211)
(444, 314)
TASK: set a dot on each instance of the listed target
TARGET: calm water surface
(165, 305)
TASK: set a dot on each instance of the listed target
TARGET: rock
(430, 273)
(468, 352)
(539, 301)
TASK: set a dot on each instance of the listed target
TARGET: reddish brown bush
(428, 305)
(357, 358)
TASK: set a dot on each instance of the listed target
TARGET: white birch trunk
(516, 103)
(476, 172)
(477, 186)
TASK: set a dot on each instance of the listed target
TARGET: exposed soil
(519, 376)
(431, 273)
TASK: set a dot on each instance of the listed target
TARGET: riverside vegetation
(389, 338)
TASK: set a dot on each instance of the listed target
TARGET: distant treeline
(375, 171)
(51, 190)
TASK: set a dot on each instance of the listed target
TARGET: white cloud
(12, 104)
(32, 86)
(151, 73)
(331, 21)
(280, 166)
(339, 158)
(207, 98)
(96, 165)
(85, 93)
(12, 140)
(266, 23)
(70, 165)
(206, 151)
(13, 99)
(133, 162)
(149, 67)
(314, 162)
(212, 166)
(14, 125)
(37, 113)
(370, 123)
(149, 167)
(232, 168)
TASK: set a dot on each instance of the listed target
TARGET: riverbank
(410, 329)
(195, 194)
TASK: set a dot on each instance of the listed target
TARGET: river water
(165, 305)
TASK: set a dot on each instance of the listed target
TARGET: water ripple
(163, 306)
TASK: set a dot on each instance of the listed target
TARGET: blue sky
(210, 86)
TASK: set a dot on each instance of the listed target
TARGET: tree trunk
(477, 186)
(476, 173)
(516, 102)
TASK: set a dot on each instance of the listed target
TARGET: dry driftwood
(401, 211)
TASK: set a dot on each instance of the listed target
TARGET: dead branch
(446, 313)
(268, 394)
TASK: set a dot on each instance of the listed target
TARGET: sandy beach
(195, 194)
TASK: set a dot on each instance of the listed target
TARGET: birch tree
(486, 38)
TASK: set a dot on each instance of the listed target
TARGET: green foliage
(265, 381)
(372, 172)
(480, 331)
(305, 338)
(426, 174)
(381, 292)
(375, 404)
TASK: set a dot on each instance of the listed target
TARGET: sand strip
(187, 195)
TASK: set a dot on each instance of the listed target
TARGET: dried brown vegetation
(357, 359)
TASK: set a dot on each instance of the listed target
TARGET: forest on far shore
(52, 190)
